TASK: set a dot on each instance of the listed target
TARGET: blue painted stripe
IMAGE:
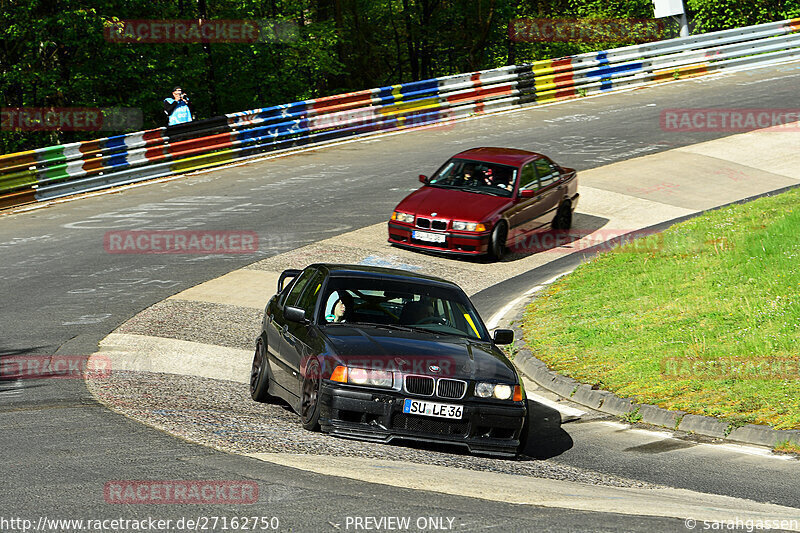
(116, 161)
(116, 142)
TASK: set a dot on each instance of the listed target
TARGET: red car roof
(502, 156)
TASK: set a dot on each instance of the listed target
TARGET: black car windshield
(475, 176)
(390, 303)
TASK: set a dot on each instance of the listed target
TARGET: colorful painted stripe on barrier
(553, 79)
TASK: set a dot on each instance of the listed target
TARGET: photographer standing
(178, 108)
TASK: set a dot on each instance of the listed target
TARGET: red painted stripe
(93, 165)
(476, 79)
(201, 144)
(153, 135)
(341, 100)
(559, 64)
(565, 93)
(156, 153)
(90, 147)
(479, 94)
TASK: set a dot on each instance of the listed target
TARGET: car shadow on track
(543, 436)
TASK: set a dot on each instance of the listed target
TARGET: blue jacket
(177, 111)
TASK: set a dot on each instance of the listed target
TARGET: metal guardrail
(57, 171)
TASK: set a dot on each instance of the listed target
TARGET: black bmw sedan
(381, 354)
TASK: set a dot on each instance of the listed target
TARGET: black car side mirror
(423, 179)
(295, 314)
(503, 336)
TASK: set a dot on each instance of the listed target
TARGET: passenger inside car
(416, 312)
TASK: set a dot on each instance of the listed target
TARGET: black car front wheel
(259, 373)
(309, 401)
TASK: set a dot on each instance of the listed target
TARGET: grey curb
(609, 403)
(704, 425)
(657, 416)
(754, 434)
(613, 405)
(589, 397)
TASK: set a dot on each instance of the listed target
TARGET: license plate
(441, 410)
(428, 237)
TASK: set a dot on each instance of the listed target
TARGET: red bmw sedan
(485, 200)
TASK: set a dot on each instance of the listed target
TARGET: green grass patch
(704, 317)
(788, 447)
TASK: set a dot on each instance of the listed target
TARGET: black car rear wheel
(497, 244)
(259, 373)
(309, 401)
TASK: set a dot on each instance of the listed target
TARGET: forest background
(58, 52)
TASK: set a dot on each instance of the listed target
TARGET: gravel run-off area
(220, 414)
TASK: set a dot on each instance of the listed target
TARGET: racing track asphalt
(62, 293)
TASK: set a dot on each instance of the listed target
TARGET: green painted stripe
(17, 180)
(56, 172)
(51, 154)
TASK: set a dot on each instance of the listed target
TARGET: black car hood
(419, 352)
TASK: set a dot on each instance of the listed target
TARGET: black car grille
(430, 425)
(421, 385)
(426, 223)
(451, 388)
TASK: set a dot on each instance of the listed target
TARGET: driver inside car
(342, 310)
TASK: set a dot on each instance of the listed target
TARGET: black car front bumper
(485, 428)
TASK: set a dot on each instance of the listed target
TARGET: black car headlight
(363, 376)
(500, 391)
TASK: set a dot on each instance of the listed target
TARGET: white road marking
(498, 316)
(565, 410)
(736, 448)
(495, 320)
(751, 450)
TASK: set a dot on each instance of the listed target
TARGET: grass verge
(704, 317)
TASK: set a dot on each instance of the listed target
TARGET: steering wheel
(434, 320)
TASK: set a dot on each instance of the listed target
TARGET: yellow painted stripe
(542, 65)
(203, 161)
(398, 97)
(544, 82)
(698, 69)
(472, 324)
(427, 103)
